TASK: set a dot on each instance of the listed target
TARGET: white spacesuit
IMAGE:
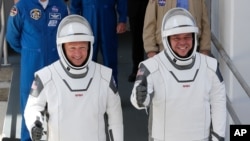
(186, 95)
(75, 98)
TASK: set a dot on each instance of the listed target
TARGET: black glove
(141, 95)
(37, 130)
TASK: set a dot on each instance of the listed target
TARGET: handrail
(3, 44)
(1, 32)
(230, 64)
(236, 73)
(232, 112)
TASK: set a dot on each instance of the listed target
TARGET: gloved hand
(37, 131)
(141, 95)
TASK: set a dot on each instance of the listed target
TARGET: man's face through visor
(77, 53)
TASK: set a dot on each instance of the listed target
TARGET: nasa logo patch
(161, 2)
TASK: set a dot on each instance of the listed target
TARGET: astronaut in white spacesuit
(182, 88)
(74, 91)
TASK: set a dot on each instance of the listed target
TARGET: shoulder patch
(36, 87)
(35, 14)
(42, 76)
(142, 74)
(13, 11)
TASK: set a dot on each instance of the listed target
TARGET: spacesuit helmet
(74, 28)
(178, 21)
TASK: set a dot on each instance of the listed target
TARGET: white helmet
(178, 21)
(74, 28)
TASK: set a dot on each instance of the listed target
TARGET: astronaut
(107, 19)
(182, 88)
(74, 93)
(31, 32)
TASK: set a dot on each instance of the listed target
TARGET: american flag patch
(140, 72)
(34, 85)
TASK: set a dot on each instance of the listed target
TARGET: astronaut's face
(181, 44)
(76, 52)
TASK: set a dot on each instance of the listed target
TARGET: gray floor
(135, 121)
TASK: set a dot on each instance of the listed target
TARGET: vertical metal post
(5, 54)
(1, 32)
(4, 49)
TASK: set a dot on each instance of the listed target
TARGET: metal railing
(3, 44)
(235, 72)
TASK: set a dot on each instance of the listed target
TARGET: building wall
(229, 23)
